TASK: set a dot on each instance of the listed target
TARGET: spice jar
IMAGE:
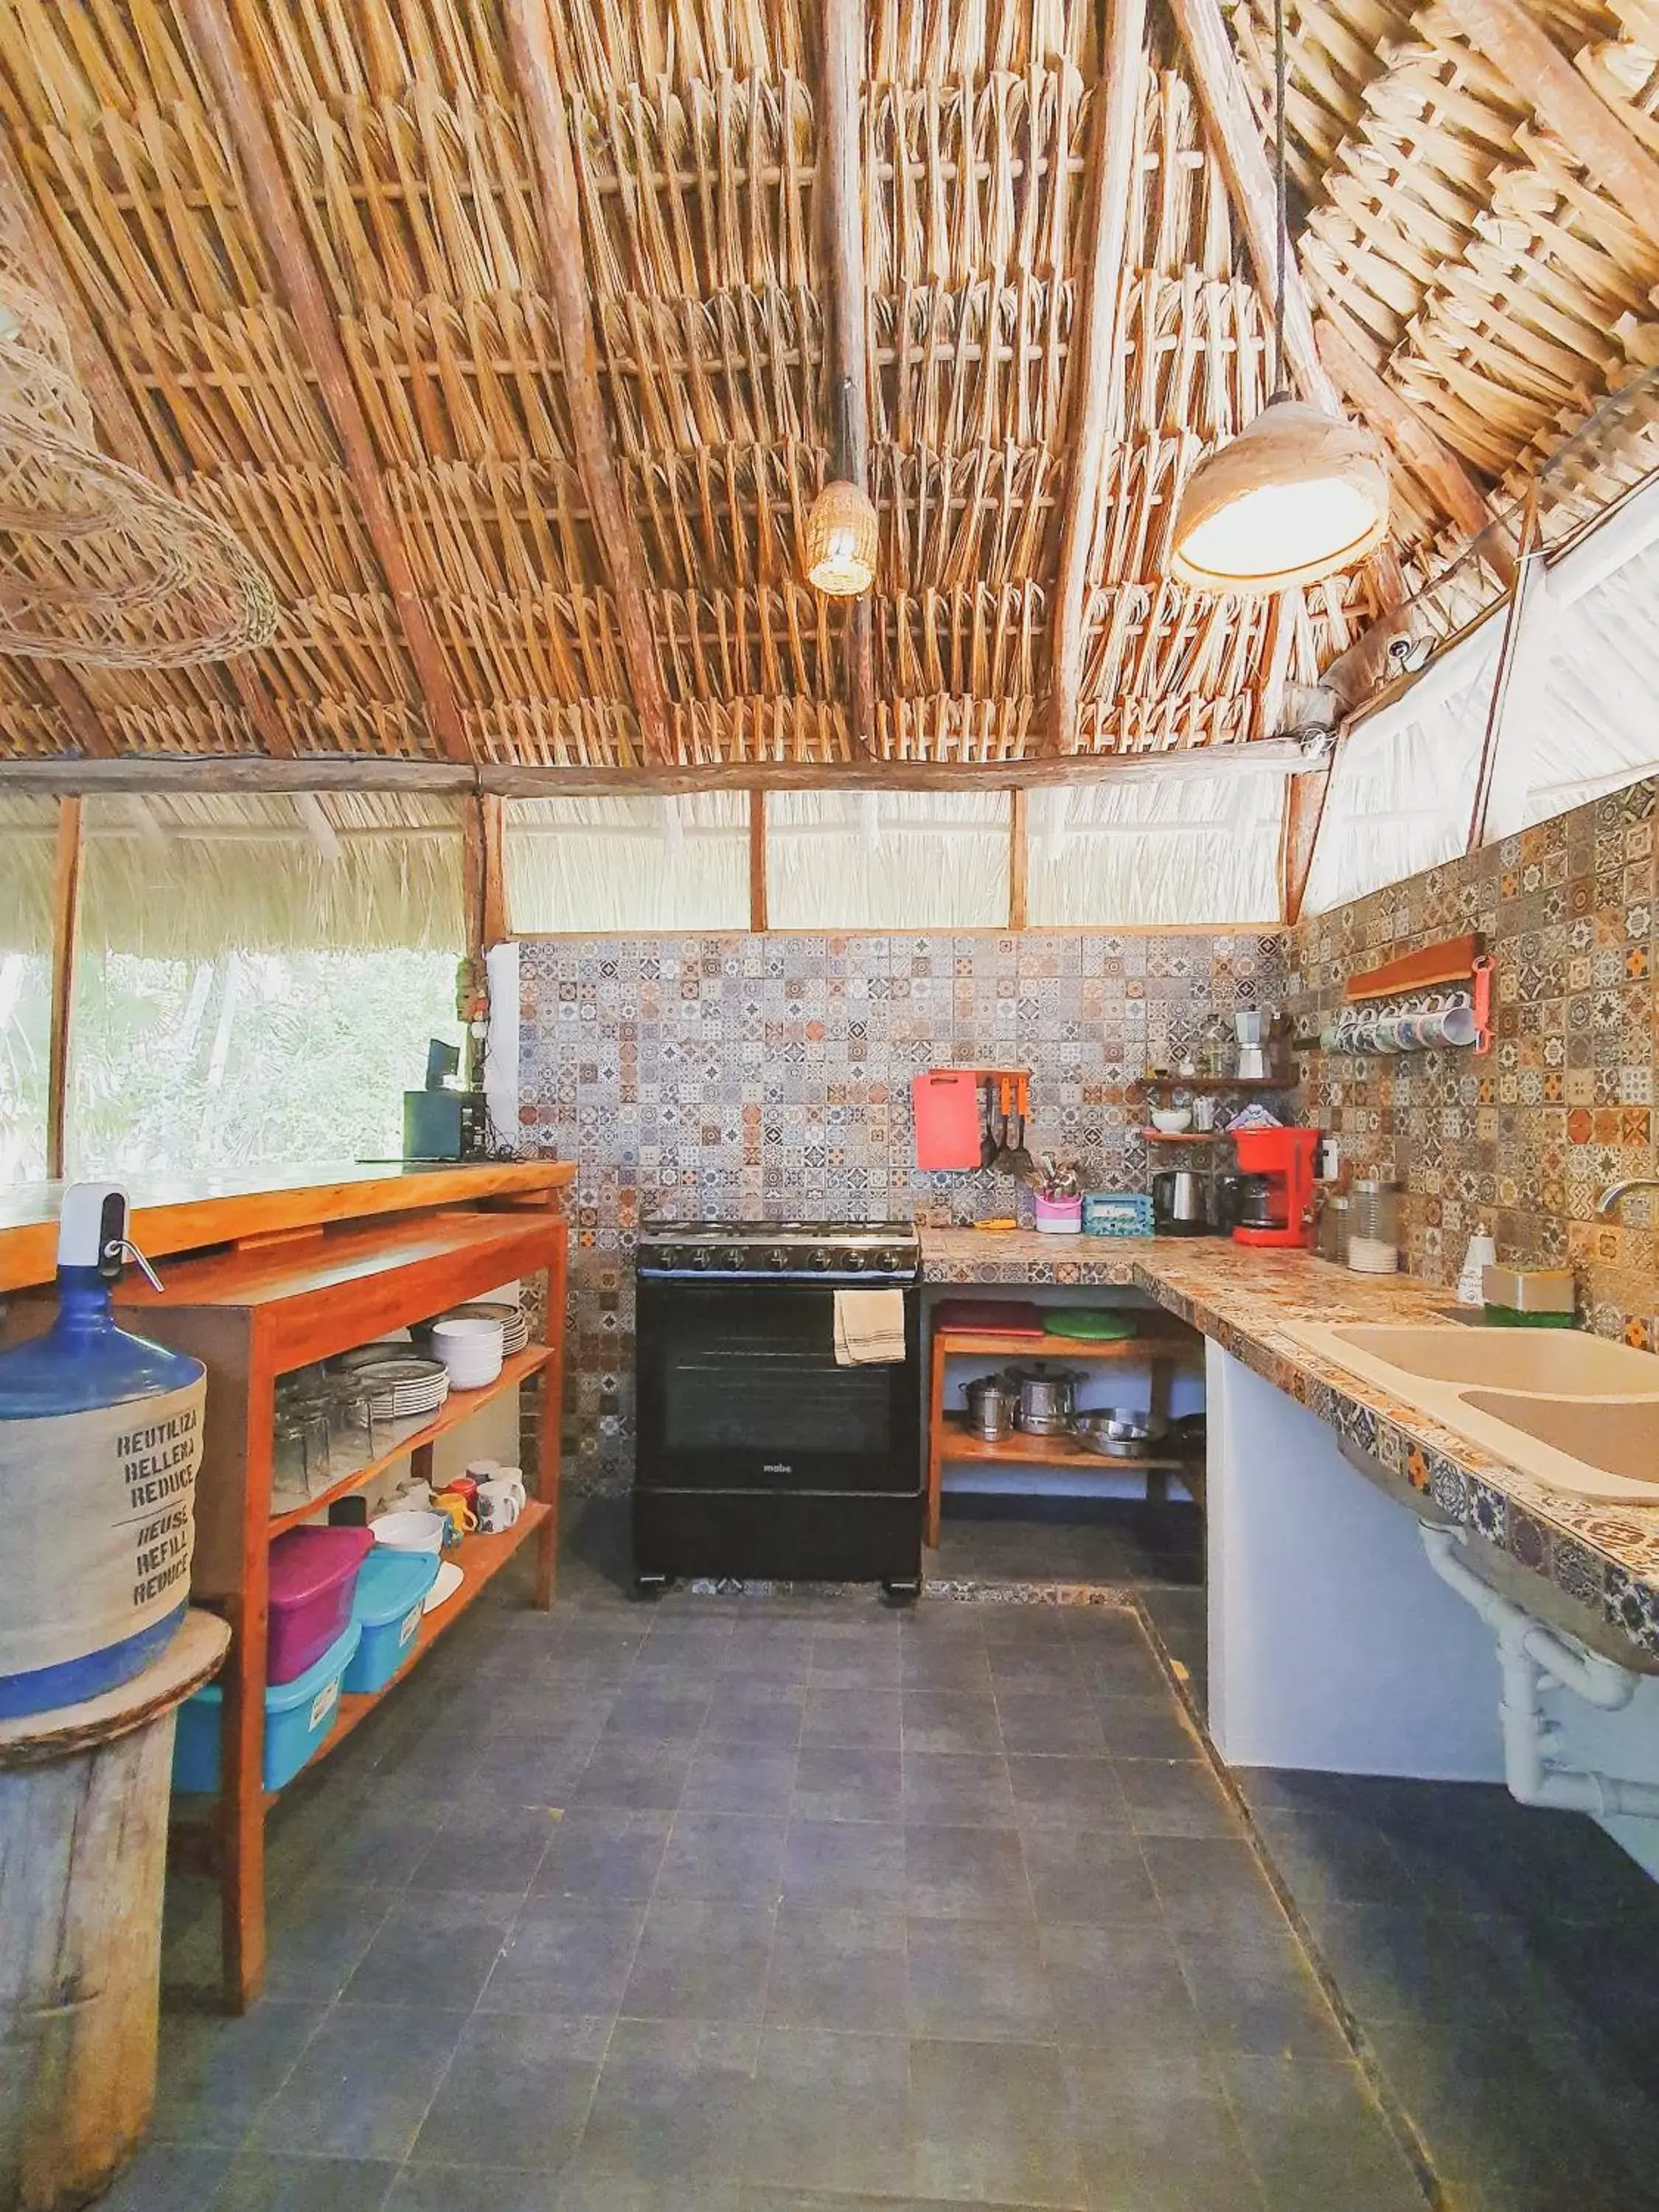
(1374, 1227)
(1334, 1229)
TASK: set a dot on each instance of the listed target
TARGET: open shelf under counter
(458, 1406)
(958, 1443)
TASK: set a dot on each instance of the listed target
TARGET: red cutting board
(946, 1104)
(988, 1317)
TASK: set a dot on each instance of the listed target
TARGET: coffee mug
(500, 1501)
(461, 1519)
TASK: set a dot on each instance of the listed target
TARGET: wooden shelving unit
(1161, 1349)
(255, 1312)
(1160, 1085)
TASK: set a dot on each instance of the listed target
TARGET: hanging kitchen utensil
(989, 1144)
(1021, 1166)
(1003, 1161)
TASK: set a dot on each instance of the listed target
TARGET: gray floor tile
(970, 1788)
(670, 2109)
(1260, 1999)
(379, 1849)
(948, 1720)
(1156, 2133)
(1146, 1728)
(495, 1847)
(756, 1724)
(169, 2177)
(733, 1778)
(1317, 2139)
(1097, 1875)
(1174, 1797)
(828, 1862)
(656, 1712)
(363, 2084)
(951, 1870)
(843, 1968)
(829, 2111)
(514, 1771)
(215, 2076)
(513, 2096)
(853, 1663)
(991, 2121)
(436, 1950)
(567, 1957)
(846, 1783)
(978, 1980)
(724, 1854)
(1049, 1721)
(1334, 1855)
(607, 1851)
(698, 1960)
(270, 2181)
(1118, 1985)
(432, 2188)
(635, 1774)
(868, 1717)
(1058, 1788)
(1214, 1886)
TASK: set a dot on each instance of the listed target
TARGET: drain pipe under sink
(1532, 1660)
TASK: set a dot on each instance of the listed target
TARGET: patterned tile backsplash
(1522, 1140)
(758, 1075)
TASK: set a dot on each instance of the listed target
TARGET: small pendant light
(841, 529)
(1299, 493)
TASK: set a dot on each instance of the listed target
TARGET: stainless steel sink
(1558, 1362)
(1574, 1411)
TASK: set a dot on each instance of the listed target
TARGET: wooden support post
(845, 46)
(1231, 126)
(757, 862)
(1019, 860)
(541, 92)
(1304, 811)
(1528, 57)
(548, 1442)
(65, 936)
(271, 204)
(497, 926)
(1112, 162)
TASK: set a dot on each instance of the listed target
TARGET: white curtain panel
(626, 867)
(1174, 851)
(900, 859)
(28, 856)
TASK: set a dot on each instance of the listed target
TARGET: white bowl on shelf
(1172, 1120)
(410, 1529)
(470, 1346)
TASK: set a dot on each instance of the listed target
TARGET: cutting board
(945, 1101)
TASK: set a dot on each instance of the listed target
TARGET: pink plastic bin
(314, 1578)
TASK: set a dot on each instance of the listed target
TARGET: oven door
(738, 1389)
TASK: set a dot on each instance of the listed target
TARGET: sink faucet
(1606, 1200)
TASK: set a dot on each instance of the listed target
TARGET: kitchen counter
(184, 1213)
(1606, 1556)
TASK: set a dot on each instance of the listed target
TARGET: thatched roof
(501, 334)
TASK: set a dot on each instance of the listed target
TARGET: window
(627, 867)
(1184, 850)
(899, 859)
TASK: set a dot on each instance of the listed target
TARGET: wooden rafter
(1515, 43)
(77, 710)
(275, 216)
(757, 915)
(65, 933)
(845, 44)
(1097, 429)
(541, 92)
(1238, 147)
(1305, 810)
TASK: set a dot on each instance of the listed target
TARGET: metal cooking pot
(991, 1402)
(1047, 1398)
(1119, 1431)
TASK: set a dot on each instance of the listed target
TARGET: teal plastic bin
(298, 1717)
(391, 1590)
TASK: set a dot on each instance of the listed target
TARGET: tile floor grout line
(1401, 2126)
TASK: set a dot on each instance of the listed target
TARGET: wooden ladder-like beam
(121, 432)
(1097, 427)
(845, 46)
(277, 218)
(558, 209)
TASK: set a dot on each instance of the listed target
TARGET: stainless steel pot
(1119, 1431)
(1047, 1398)
(993, 1401)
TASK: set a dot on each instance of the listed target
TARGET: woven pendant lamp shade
(840, 541)
(1296, 495)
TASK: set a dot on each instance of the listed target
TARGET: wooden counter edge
(28, 1254)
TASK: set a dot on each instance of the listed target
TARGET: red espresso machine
(1273, 1200)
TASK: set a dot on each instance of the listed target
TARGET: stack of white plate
(470, 1346)
(402, 1389)
(515, 1328)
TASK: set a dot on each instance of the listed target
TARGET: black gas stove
(873, 1252)
(759, 1456)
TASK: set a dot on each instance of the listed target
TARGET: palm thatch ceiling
(502, 332)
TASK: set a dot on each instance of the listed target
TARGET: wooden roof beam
(1097, 428)
(1219, 82)
(275, 216)
(1515, 45)
(845, 44)
(541, 91)
(1436, 467)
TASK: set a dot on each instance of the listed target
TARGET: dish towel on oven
(869, 1328)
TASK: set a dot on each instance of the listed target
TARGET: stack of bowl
(470, 1346)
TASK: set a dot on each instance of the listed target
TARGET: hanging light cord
(1282, 241)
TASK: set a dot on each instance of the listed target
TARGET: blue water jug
(100, 1437)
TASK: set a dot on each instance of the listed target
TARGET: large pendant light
(1299, 493)
(841, 529)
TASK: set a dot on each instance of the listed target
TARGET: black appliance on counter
(759, 1458)
(1180, 1204)
(441, 1124)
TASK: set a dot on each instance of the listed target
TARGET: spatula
(1016, 1160)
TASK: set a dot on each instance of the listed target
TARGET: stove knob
(854, 1262)
(822, 1257)
(699, 1255)
(778, 1259)
(731, 1258)
(891, 1263)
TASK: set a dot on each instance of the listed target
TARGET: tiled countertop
(1599, 1554)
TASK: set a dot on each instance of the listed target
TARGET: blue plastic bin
(392, 1587)
(298, 1717)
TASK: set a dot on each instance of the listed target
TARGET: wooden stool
(83, 1834)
